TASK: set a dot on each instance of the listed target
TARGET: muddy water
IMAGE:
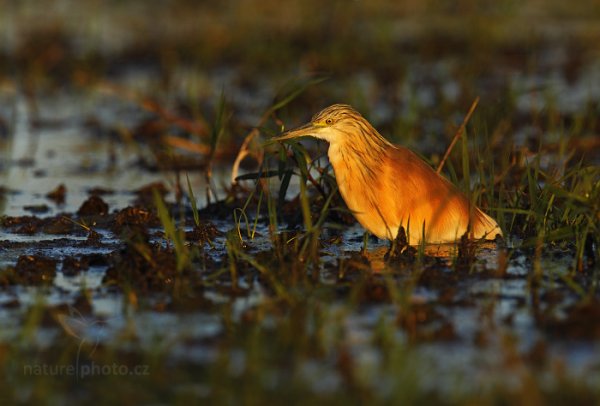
(475, 317)
(62, 148)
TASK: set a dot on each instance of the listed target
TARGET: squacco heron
(388, 186)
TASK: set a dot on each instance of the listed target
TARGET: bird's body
(387, 186)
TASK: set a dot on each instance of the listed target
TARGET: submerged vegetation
(156, 246)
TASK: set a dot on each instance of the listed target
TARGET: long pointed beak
(306, 130)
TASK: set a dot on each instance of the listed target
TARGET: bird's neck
(359, 160)
(359, 144)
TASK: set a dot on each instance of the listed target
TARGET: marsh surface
(267, 289)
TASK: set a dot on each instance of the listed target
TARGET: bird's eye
(329, 121)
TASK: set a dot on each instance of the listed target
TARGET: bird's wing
(425, 196)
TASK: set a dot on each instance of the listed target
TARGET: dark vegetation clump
(30, 270)
(58, 195)
(134, 218)
(400, 250)
(93, 206)
(72, 266)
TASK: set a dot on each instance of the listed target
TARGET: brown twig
(458, 133)
(245, 148)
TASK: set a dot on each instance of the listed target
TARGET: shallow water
(461, 347)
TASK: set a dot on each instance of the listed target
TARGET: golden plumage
(388, 186)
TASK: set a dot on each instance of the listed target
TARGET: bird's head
(334, 124)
